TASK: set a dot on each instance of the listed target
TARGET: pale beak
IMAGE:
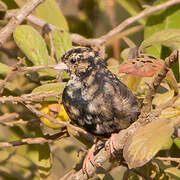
(61, 66)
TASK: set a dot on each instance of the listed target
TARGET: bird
(94, 98)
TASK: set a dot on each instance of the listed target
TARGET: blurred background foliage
(32, 46)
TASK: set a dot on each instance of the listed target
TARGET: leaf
(45, 160)
(62, 42)
(170, 113)
(173, 171)
(165, 19)
(50, 12)
(56, 111)
(168, 37)
(177, 142)
(57, 87)
(41, 156)
(4, 69)
(146, 142)
(32, 44)
(142, 66)
(146, 66)
(10, 4)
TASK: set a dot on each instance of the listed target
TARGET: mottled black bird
(94, 97)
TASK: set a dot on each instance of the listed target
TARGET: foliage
(37, 46)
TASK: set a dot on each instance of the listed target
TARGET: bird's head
(80, 61)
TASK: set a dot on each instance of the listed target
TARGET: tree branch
(37, 140)
(157, 80)
(28, 98)
(105, 38)
(6, 31)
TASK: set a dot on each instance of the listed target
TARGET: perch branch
(6, 31)
(104, 154)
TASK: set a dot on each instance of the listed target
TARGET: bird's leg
(111, 145)
(89, 158)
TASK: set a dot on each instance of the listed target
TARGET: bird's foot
(110, 144)
(89, 160)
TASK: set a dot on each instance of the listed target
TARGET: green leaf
(41, 156)
(10, 4)
(177, 142)
(146, 142)
(62, 42)
(165, 19)
(51, 13)
(173, 171)
(45, 160)
(32, 44)
(57, 87)
(168, 37)
(4, 69)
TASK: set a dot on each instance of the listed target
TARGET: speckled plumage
(94, 97)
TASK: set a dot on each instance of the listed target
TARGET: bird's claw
(111, 145)
(89, 160)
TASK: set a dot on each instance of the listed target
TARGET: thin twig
(157, 80)
(78, 39)
(35, 68)
(10, 75)
(103, 39)
(81, 132)
(6, 31)
(168, 159)
(8, 116)
(29, 98)
(36, 140)
(19, 122)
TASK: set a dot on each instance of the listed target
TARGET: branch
(8, 116)
(168, 159)
(28, 98)
(103, 39)
(37, 140)
(9, 75)
(104, 154)
(19, 122)
(79, 132)
(6, 31)
(35, 68)
(157, 80)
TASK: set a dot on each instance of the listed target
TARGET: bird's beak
(61, 66)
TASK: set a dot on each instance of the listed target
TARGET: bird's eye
(73, 60)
